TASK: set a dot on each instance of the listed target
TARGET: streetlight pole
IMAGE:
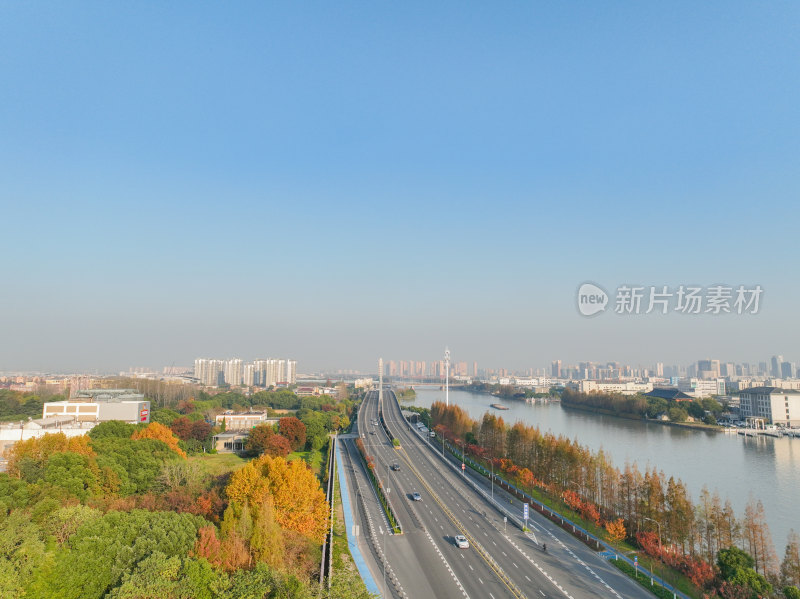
(447, 376)
(660, 550)
(491, 463)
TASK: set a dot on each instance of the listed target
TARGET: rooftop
(767, 391)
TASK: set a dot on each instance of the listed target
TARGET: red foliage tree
(208, 546)
(200, 430)
(294, 431)
(277, 446)
(182, 428)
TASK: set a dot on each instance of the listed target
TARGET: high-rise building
(249, 375)
(555, 369)
(233, 372)
(209, 372)
(787, 370)
(775, 363)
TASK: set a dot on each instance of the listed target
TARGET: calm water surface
(737, 467)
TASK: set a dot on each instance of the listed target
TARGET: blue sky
(338, 182)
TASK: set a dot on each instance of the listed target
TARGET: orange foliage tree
(247, 484)
(39, 449)
(159, 432)
(297, 497)
(616, 530)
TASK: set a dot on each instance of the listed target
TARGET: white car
(461, 542)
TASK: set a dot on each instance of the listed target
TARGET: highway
(424, 557)
(502, 561)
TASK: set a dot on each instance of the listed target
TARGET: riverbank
(625, 416)
(715, 461)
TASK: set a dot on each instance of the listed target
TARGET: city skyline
(343, 182)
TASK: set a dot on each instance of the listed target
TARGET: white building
(11, 432)
(243, 421)
(100, 405)
(623, 387)
(209, 372)
(774, 405)
(701, 387)
(233, 372)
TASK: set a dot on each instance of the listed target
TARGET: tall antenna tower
(447, 376)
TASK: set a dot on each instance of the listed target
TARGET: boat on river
(499, 406)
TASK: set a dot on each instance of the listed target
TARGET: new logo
(591, 299)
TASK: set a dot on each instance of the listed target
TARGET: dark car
(395, 467)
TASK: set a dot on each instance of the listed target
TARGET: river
(738, 468)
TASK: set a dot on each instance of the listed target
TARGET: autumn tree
(616, 530)
(299, 502)
(201, 430)
(294, 431)
(757, 536)
(258, 437)
(26, 459)
(790, 567)
(182, 428)
(159, 432)
(247, 484)
(266, 539)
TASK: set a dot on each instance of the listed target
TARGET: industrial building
(100, 405)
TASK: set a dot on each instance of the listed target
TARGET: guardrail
(326, 563)
(382, 498)
(556, 517)
(350, 529)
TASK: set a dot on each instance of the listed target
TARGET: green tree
(96, 558)
(72, 472)
(263, 583)
(736, 568)
(316, 428)
(22, 553)
(137, 463)
(791, 592)
(63, 522)
(677, 414)
(162, 577)
(656, 406)
(112, 428)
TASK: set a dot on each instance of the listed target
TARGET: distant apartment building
(263, 373)
(702, 387)
(774, 405)
(210, 373)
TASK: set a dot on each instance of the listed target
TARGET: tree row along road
(425, 552)
(514, 559)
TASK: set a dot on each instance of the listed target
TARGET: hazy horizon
(340, 183)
